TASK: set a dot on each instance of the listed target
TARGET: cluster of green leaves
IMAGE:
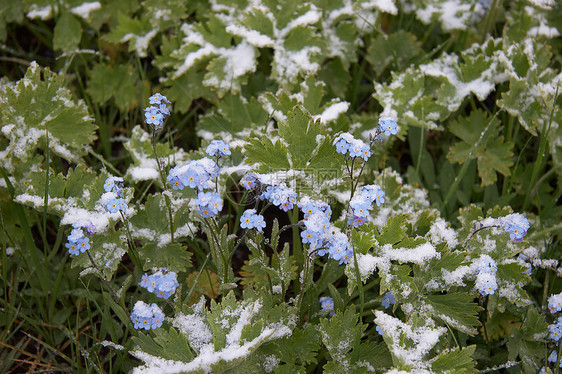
(475, 93)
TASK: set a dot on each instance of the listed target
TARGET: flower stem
(163, 179)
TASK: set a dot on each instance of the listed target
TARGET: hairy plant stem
(218, 247)
(104, 279)
(475, 232)
(163, 179)
(134, 253)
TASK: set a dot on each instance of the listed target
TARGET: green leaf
(234, 114)
(167, 344)
(68, 32)
(478, 134)
(527, 342)
(117, 82)
(340, 335)
(455, 361)
(300, 133)
(37, 104)
(174, 257)
(457, 310)
(396, 50)
(394, 231)
(270, 156)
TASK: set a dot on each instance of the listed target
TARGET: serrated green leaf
(117, 82)
(174, 257)
(68, 32)
(527, 343)
(168, 344)
(340, 335)
(39, 103)
(455, 361)
(457, 310)
(393, 232)
(234, 114)
(396, 49)
(300, 132)
(270, 156)
(479, 141)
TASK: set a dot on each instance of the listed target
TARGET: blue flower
(83, 244)
(158, 99)
(555, 303)
(388, 125)
(388, 300)
(210, 203)
(342, 146)
(113, 184)
(486, 284)
(72, 248)
(516, 225)
(356, 221)
(154, 116)
(251, 220)
(485, 264)
(379, 330)
(555, 330)
(75, 234)
(115, 205)
(161, 283)
(195, 174)
(309, 236)
(218, 147)
(175, 182)
(146, 316)
(356, 148)
(249, 181)
(327, 304)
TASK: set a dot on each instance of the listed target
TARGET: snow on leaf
(40, 112)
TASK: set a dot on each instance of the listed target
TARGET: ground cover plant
(274, 186)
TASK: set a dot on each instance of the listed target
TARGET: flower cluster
(249, 181)
(251, 220)
(161, 283)
(388, 300)
(280, 196)
(388, 125)
(320, 235)
(78, 242)
(362, 203)
(146, 316)
(555, 330)
(327, 304)
(555, 303)
(114, 185)
(219, 148)
(516, 225)
(157, 113)
(209, 204)
(345, 143)
(195, 174)
(485, 268)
